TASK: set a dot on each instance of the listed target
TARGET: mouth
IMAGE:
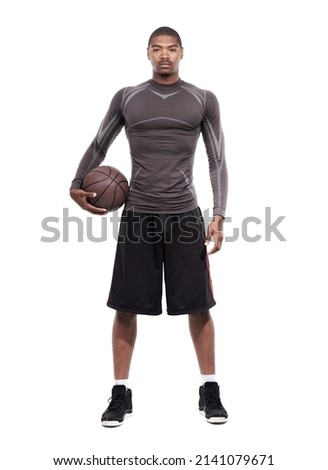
(165, 63)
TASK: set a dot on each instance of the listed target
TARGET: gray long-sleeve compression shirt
(162, 124)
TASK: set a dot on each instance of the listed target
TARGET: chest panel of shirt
(150, 111)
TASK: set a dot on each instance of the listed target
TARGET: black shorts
(147, 243)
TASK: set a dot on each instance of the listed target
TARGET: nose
(164, 54)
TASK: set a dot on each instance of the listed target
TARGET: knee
(199, 317)
(126, 317)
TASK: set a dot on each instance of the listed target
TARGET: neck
(166, 79)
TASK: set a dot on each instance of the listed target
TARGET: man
(162, 225)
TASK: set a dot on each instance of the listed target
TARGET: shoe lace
(116, 403)
(212, 399)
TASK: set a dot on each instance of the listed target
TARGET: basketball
(111, 187)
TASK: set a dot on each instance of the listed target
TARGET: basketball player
(162, 226)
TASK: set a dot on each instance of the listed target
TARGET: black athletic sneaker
(120, 406)
(210, 403)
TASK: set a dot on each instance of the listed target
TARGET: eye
(173, 50)
(155, 49)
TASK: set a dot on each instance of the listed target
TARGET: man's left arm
(214, 144)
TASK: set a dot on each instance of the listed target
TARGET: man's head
(165, 31)
(165, 52)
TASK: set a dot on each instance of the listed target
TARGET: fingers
(81, 198)
(215, 249)
(94, 209)
(88, 194)
(218, 239)
(91, 208)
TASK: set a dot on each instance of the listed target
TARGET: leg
(132, 290)
(202, 333)
(123, 340)
(124, 337)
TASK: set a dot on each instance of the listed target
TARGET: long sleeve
(108, 130)
(214, 144)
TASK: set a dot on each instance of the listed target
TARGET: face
(165, 54)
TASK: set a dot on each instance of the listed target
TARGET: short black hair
(165, 31)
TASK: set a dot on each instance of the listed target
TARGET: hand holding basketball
(104, 189)
(109, 184)
(81, 198)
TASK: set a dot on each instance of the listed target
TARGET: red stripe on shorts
(209, 275)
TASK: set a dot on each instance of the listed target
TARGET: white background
(61, 64)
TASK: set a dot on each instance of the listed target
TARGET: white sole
(214, 420)
(114, 424)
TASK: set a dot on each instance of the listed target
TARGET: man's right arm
(96, 152)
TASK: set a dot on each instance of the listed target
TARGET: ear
(181, 56)
(148, 53)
